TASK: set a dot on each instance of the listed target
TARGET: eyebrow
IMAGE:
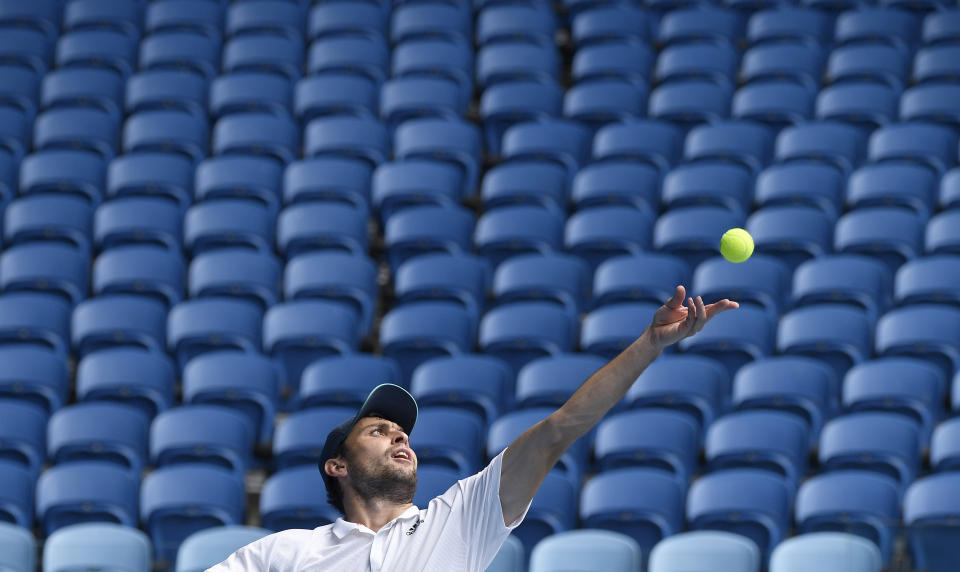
(380, 424)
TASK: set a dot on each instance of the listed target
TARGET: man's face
(380, 462)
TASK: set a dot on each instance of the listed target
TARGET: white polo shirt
(460, 530)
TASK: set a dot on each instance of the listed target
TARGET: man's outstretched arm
(529, 458)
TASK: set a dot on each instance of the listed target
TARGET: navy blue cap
(387, 399)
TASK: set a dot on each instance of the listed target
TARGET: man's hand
(675, 321)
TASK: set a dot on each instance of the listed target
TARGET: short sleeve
(246, 559)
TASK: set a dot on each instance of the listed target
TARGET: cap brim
(394, 402)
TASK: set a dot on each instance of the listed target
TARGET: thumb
(676, 301)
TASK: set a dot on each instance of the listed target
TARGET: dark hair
(334, 492)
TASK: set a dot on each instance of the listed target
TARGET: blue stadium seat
(506, 104)
(298, 332)
(627, 62)
(63, 171)
(431, 483)
(181, 49)
(794, 234)
(600, 233)
(418, 21)
(108, 49)
(27, 48)
(776, 104)
(202, 325)
(610, 329)
(704, 549)
(473, 382)
(698, 61)
(657, 143)
(739, 142)
(15, 131)
(23, 434)
(80, 87)
(142, 270)
(827, 551)
(943, 233)
(228, 223)
(135, 376)
(250, 91)
(336, 276)
(166, 131)
(647, 277)
(409, 98)
(347, 19)
(298, 439)
(940, 27)
(693, 384)
(689, 102)
(649, 437)
(509, 61)
(293, 498)
(510, 231)
(128, 221)
(461, 278)
(340, 179)
(890, 234)
(588, 550)
(557, 278)
(762, 281)
(450, 437)
(42, 16)
(178, 15)
(914, 142)
(853, 279)
(572, 464)
(166, 90)
(882, 442)
(17, 495)
(932, 279)
(791, 61)
(8, 176)
(235, 272)
(838, 334)
(362, 55)
(693, 233)
(48, 218)
(945, 446)
(416, 332)
(276, 54)
(774, 441)
(86, 491)
(750, 502)
(863, 104)
(872, 62)
(700, 24)
(882, 385)
(52, 268)
(929, 513)
(523, 331)
(33, 374)
(210, 435)
(830, 142)
(927, 331)
(936, 104)
(436, 58)
(620, 183)
(552, 380)
(723, 184)
(18, 547)
(209, 547)
(949, 195)
(540, 183)
(322, 226)
(859, 502)
(898, 28)
(247, 383)
(265, 18)
(607, 23)
(532, 23)
(168, 176)
(180, 500)
(421, 230)
(645, 504)
(894, 184)
(603, 101)
(564, 142)
(86, 129)
(256, 176)
(510, 558)
(21, 88)
(95, 14)
(34, 318)
(345, 380)
(452, 141)
(98, 545)
(257, 134)
(735, 338)
(99, 431)
(363, 138)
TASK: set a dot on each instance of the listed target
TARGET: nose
(399, 436)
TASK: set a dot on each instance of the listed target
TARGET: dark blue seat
(407, 98)
(415, 21)
(166, 131)
(540, 183)
(228, 223)
(882, 442)
(599, 102)
(33, 375)
(344, 380)
(610, 23)
(450, 437)
(343, 179)
(904, 385)
(27, 48)
(693, 233)
(203, 325)
(871, 62)
(657, 143)
(88, 129)
(523, 331)
(334, 276)
(247, 383)
(506, 104)
(508, 427)
(179, 500)
(457, 277)
(250, 18)
(321, 226)
(600, 233)
(949, 193)
(451, 60)
(945, 446)
(693, 384)
(552, 511)
(346, 137)
(831, 142)
(35, 318)
(735, 338)
(941, 27)
(479, 383)
(794, 234)
(148, 270)
(135, 376)
(853, 279)
(929, 512)
(237, 174)
(701, 23)
(293, 498)
(182, 49)
(21, 87)
(727, 185)
(86, 491)
(564, 142)
(776, 104)
(80, 87)
(42, 16)
(609, 329)
(627, 62)
(943, 233)
(60, 218)
(430, 229)
(701, 61)
(914, 142)
(453, 141)
(257, 134)
(432, 482)
(91, 14)
(63, 171)
(898, 28)
(739, 142)
(814, 184)
(108, 49)
(508, 61)
(251, 91)
(99, 431)
(181, 15)
(890, 234)
(168, 176)
(751, 502)
(346, 19)
(858, 502)
(932, 279)
(276, 54)
(926, 331)
(761, 280)
(23, 430)
(838, 334)
(550, 381)
(17, 495)
(792, 61)
(688, 102)
(166, 90)
(649, 437)
(558, 278)
(616, 183)
(133, 220)
(908, 186)
(866, 105)
(774, 441)
(646, 277)
(532, 23)
(362, 55)
(299, 437)
(510, 231)
(210, 435)
(932, 103)
(416, 332)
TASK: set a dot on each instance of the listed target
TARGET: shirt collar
(341, 527)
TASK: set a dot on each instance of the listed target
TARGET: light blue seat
(18, 549)
(99, 430)
(510, 557)
(86, 491)
(205, 548)
(649, 437)
(930, 511)
(97, 546)
(552, 380)
(826, 552)
(586, 551)
(294, 498)
(705, 551)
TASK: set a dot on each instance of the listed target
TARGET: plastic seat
(740, 142)
(506, 104)
(776, 104)
(929, 508)
(705, 549)
(647, 277)
(453, 438)
(563, 142)
(277, 54)
(15, 132)
(180, 500)
(245, 172)
(179, 49)
(940, 27)
(624, 61)
(750, 502)
(202, 325)
(362, 55)
(914, 142)
(714, 63)
(76, 129)
(97, 545)
(210, 435)
(882, 442)
(410, 98)
(570, 467)
(600, 233)
(137, 377)
(935, 104)
(320, 226)
(80, 87)
(228, 223)
(167, 90)
(436, 58)
(479, 383)
(616, 183)
(588, 550)
(108, 49)
(251, 91)
(21, 88)
(19, 547)
(515, 60)
(510, 558)
(857, 502)
(414, 333)
(458, 278)
(932, 279)
(761, 280)
(42, 16)
(843, 278)
(141, 270)
(838, 334)
(257, 134)
(180, 15)
(945, 446)
(540, 183)
(27, 48)
(430, 229)
(413, 21)
(892, 235)
(873, 62)
(166, 131)
(99, 431)
(795, 62)
(610, 329)
(830, 142)
(209, 547)
(600, 102)
(523, 331)
(875, 104)
(689, 102)
(86, 491)
(251, 18)
(347, 137)
(657, 143)
(693, 233)
(898, 28)
(451, 141)
(949, 194)
(770, 440)
(92, 14)
(532, 23)
(169, 176)
(298, 439)
(344, 380)
(137, 222)
(235, 273)
(293, 498)
(340, 179)
(16, 495)
(510, 231)
(817, 185)
(35, 318)
(433, 482)
(23, 430)
(794, 234)
(247, 383)
(700, 24)
(941, 235)
(560, 279)
(552, 380)
(46, 268)
(610, 23)
(34, 375)
(926, 331)
(700, 184)
(337, 19)
(828, 551)
(894, 184)
(735, 338)
(48, 218)
(649, 437)
(71, 172)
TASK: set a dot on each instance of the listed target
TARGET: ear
(335, 467)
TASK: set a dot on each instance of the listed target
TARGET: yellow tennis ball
(736, 245)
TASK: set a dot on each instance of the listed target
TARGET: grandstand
(225, 222)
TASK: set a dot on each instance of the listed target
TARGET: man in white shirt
(371, 475)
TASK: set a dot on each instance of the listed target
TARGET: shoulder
(284, 540)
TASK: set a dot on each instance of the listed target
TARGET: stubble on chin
(391, 484)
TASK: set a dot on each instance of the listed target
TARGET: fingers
(701, 316)
(676, 301)
(690, 321)
(721, 306)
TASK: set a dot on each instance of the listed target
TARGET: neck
(372, 513)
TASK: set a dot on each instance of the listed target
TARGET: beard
(385, 482)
